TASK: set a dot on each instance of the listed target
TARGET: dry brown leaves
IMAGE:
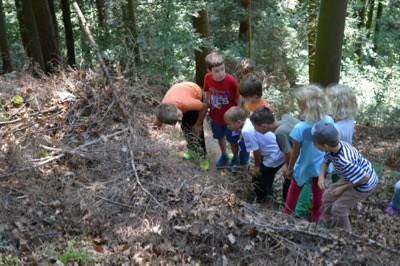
(67, 177)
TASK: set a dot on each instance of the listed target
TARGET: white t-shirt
(346, 129)
(266, 143)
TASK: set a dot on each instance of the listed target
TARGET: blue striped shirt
(352, 166)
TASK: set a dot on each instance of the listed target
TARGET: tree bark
(5, 51)
(47, 34)
(69, 34)
(370, 17)
(31, 31)
(244, 22)
(22, 27)
(200, 24)
(100, 12)
(133, 31)
(332, 16)
(312, 9)
(360, 27)
(378, 24)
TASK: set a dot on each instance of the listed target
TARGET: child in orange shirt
(183, 103)
(251, 92)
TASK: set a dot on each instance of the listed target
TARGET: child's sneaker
(204, 165)
(234, 164)
(222, 161)
(391, 210)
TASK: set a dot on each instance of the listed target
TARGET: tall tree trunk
(244, 21)
(5, 51)
(328, 52)
(378, 24)
(200, 24)
(22, 27)
(100, 12)
(370, 17)
(360, 27)
(31, 31)
(133, 30)
(54, 18)
(47, 34)
(69, 34)
(312, 8)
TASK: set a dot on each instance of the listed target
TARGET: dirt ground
(79, 186)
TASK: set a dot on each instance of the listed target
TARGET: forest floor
(80, 186)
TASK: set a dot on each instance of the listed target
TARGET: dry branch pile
(68, 175)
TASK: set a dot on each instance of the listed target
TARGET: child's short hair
(166, 113)
(262, 115)
(325, 134)
(316, 102)
(235, 113)
(343, 102)
(250, 87)
(214, 59)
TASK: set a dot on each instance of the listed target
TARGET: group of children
(307, 149)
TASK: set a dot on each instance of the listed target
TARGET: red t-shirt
(186, 96)
(223, 95)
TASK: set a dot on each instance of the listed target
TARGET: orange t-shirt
(250, 107)
(186, 96)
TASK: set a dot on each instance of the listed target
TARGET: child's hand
(339, 190)
(256, 171)
(198, 128)
(289, 174)
(321, 182)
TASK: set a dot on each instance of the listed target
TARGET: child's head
(234, 118)
(313, 103)
(263, 119)
(325, 135)
(168, 113)
(250, 89)
(343, 102)
(215, 65)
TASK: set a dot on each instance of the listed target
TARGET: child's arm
(293, 158)
(207, 99)
(322, 171)
(340, 190)
(198, 126)
(257, 162)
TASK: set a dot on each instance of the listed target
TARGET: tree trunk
(5, 51)
(200, 24)
(31, 31)
(312, 9)
(133, 29)
(100, 12)
(370, 17)
(54, 18)
(378, 24)
(22, 27)
(47, 34)
(244, 22)
(332, 17)
(360, 27)
(69, 34)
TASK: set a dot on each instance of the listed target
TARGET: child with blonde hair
(343, 109)
(305, 158)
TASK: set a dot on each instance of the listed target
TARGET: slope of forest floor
(79, 185)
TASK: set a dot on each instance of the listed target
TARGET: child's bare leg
(235, 149)
(222, 145)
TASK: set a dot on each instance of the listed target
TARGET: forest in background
(80, 185)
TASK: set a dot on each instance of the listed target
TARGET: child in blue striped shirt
(358, 178)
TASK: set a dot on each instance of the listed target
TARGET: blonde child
(222, 93)
(305, 158)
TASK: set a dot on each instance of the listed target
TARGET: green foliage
(43, 153)
(9, 260)
(17, 100)
(76, 254)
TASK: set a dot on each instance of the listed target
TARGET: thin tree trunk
(332, 17)
(244, 22)
(22, 27)
(312, 36)
(69, 34)
(378, 24)
(47, 34)
(133, 29)
(5, 51)
(33, 43)
(360, 27)
(54, 18)
(370, 17)
(200, 24)
(100, 12)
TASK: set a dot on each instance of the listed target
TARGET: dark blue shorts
(220, 131)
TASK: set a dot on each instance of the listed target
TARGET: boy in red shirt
(183, 103)
(221, 94)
